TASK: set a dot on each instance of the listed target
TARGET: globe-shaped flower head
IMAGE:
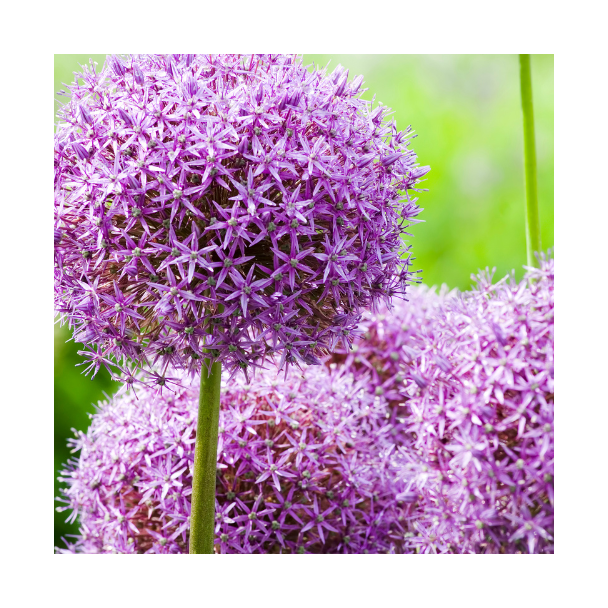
(470, 381)
(239, 203)
(300, 468)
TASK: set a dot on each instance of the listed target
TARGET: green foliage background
(466, 110)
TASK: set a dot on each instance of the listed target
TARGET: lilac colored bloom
(241, 203)
(469, 378)
(303, 467)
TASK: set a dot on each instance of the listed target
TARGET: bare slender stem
(202, 522)
(532, 219)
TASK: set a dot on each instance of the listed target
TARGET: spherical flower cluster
(303, 467)
(471, 376)
(241, 203)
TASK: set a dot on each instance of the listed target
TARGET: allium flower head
(242, 198)
(302, 468)
(470, 376)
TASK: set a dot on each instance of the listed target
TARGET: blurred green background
(467, 113)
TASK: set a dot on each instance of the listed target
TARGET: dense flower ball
(242, 198)
(303, 467)
(471, 376)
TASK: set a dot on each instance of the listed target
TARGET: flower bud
(86, 115)
(419, 380)
(364, 161)
(356, 84)
(500, 336)
(341, 84)
(117, 66)
(138, 75)
(443, 363)
(389, 159)
(419, 172)
(191, 87)
(125, 117)
(259, 93)
(282, 102)
(81, 151)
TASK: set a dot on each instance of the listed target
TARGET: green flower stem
(202, 522)
(532, 218)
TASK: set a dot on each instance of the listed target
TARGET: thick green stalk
(532, 219)
(202, 522)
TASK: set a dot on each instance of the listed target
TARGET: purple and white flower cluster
(435, 434)
(239, 203)
(300, 469)
(471, 376)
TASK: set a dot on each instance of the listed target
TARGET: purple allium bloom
(471, 379)
(237, 202)
(303, 467)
